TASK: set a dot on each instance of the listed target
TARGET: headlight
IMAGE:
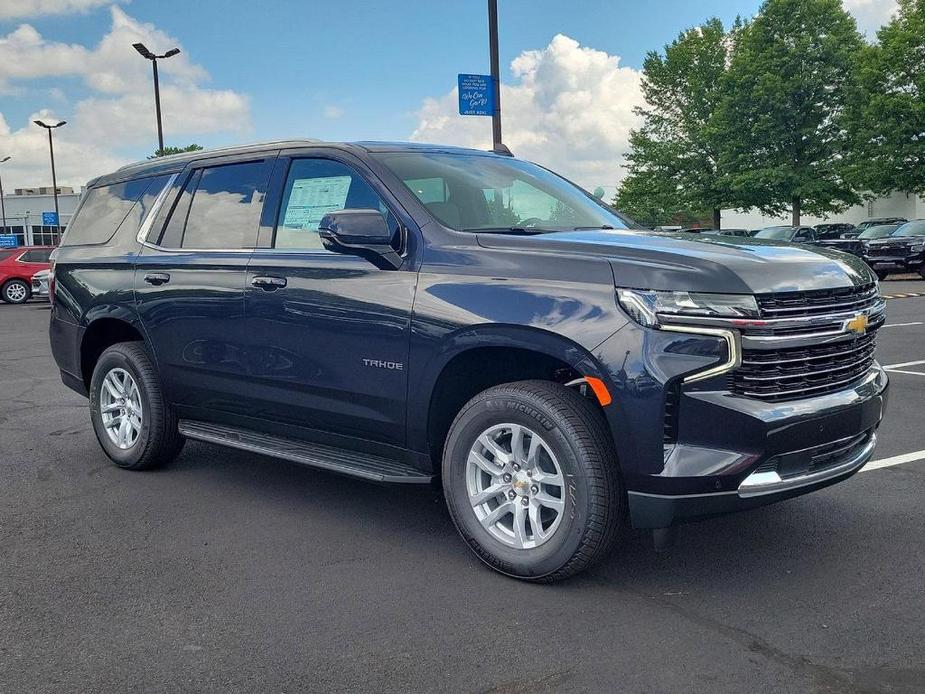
(917, 245)
(645, 307)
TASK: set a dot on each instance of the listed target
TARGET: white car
(40, 283)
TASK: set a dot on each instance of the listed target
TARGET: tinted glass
(315, 187)
(778, 233)
(471, 192)
(107, 208)
(916, 228)
(38, 255)
(225, 207)
(878, 231)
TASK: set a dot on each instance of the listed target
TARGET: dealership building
(24, 211)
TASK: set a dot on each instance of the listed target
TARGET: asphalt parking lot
(231, 572)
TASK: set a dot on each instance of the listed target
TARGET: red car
(17, 265)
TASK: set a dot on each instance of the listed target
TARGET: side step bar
(355, 464)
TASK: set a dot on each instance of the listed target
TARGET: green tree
(783, 120)
(649, 198)
(674, 155)
(175, 150)
(888, 121)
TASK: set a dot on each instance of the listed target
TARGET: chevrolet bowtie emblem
(857, 325)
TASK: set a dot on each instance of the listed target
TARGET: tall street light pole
(145, 53)
(2, 203)
(495, 72)
(54, 180)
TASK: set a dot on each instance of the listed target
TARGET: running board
(355, 464)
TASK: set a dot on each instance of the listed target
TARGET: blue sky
(341, 71)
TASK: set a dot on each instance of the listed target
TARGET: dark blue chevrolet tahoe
(406, 313)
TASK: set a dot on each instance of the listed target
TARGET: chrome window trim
(145, 228)
(733, 360)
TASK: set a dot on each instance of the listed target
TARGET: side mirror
(360, 232)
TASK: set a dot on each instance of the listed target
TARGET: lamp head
(143, 50)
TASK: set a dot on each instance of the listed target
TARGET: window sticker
(312, 198)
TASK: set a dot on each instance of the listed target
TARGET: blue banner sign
(8, 241)
(50, 219)
(476, 95)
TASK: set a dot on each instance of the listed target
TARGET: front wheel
(16, 292)
(530, 478)
(134, 424)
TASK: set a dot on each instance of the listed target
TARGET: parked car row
(18, 267)
(895, 245)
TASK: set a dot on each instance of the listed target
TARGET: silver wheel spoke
(543, 477)
(110, 385)
(483, 463)
(495, 449)
(517, 443)
(494, 516)
(536, 522)
(520, 524)
(110, 408)
(552, 502)
(486, 494)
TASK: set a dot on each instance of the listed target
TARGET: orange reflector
(600, 390)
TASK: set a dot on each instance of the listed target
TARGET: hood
(893, 240)
(692, 262)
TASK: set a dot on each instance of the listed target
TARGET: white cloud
(570, 108)
(332, 112)
(17, 9)
(871, 14)
(117, 114)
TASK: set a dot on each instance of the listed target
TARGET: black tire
(10, 286)
(881, 275)
(158, 441)
(577, 435)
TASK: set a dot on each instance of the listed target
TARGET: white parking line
(905, 363)
(908, 373)
(902, 325)
(895, 460)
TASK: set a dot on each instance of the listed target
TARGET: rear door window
(225, 207)
(106, 209)
(36, 255)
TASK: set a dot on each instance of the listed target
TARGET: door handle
(157, 278)
(269, 284)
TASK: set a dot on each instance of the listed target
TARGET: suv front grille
(785, 374)
(817, 302)
(773, 371)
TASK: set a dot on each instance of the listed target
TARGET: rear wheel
(135, 426)
(16, 292)
(530, 479)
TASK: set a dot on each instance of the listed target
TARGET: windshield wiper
(522, 231)
(602, 226)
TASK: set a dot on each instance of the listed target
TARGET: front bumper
(900, 261)
(726, 452)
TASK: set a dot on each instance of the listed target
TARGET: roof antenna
(501, 148)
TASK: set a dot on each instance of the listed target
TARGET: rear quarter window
(107, 209)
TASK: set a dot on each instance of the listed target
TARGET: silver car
(40, 283)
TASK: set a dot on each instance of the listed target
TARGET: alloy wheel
(515, 485)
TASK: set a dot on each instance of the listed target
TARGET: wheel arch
(104, 329)
(480, 357)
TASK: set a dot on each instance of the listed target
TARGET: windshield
(778, 233)
(472, 192)
(916, 228)
(878, 232)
